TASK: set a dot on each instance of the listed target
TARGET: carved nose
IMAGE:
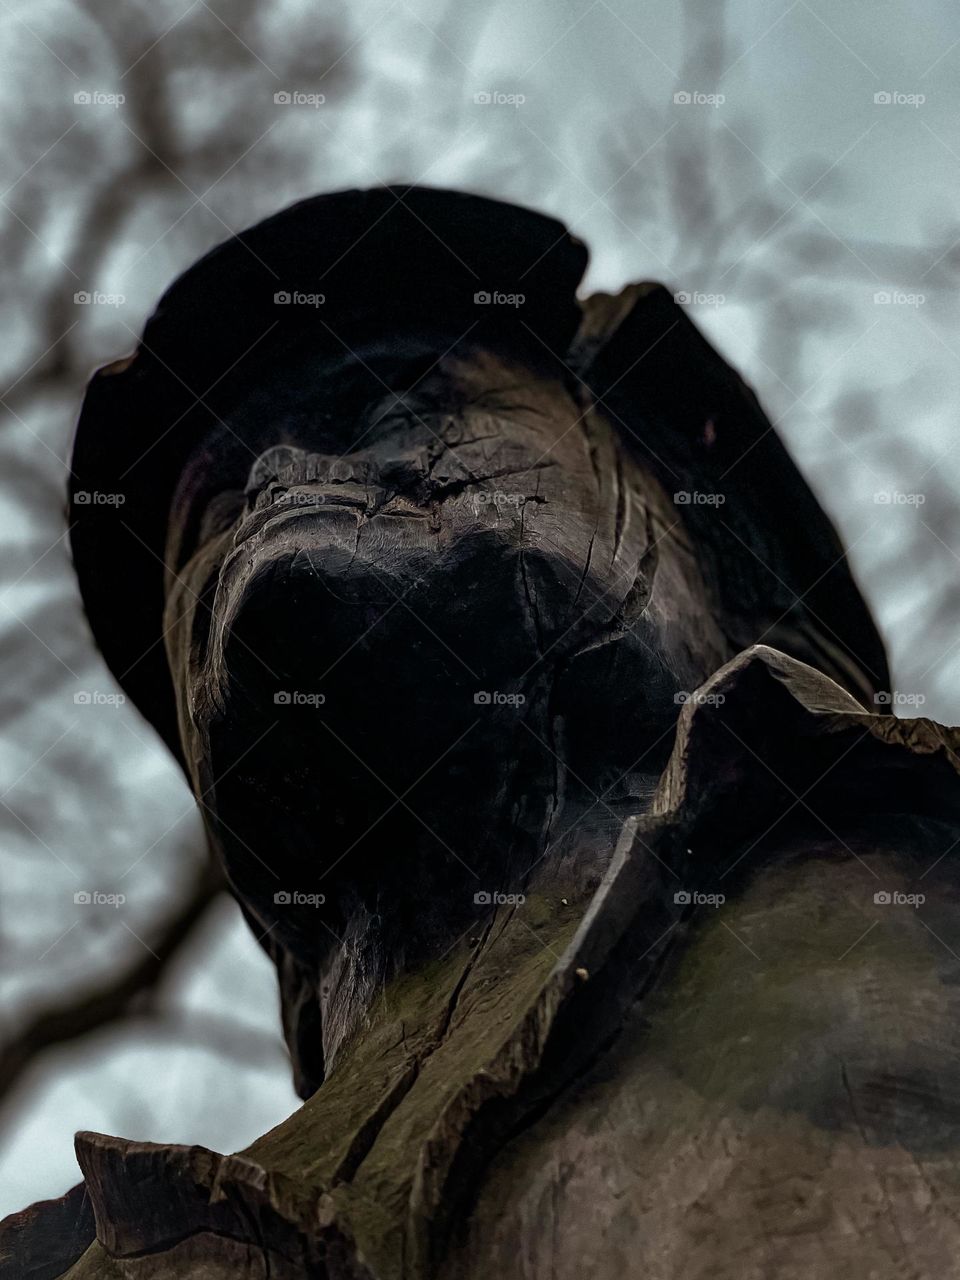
(288, 465)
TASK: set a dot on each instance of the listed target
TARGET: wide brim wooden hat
(408, 270)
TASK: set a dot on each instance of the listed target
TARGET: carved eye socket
(273, 461)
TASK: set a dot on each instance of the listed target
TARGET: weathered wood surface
(644, 1087)
(399, 504)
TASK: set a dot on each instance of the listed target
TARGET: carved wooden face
(403, 660)
(428, 606)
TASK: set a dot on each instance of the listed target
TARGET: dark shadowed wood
(529, 703)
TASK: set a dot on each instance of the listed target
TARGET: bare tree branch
(81, 1015)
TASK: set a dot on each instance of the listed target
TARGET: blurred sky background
(811, 215)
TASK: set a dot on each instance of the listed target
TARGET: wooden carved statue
(542, 734)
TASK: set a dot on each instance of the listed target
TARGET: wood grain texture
(651, 1086)
(568, 877)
